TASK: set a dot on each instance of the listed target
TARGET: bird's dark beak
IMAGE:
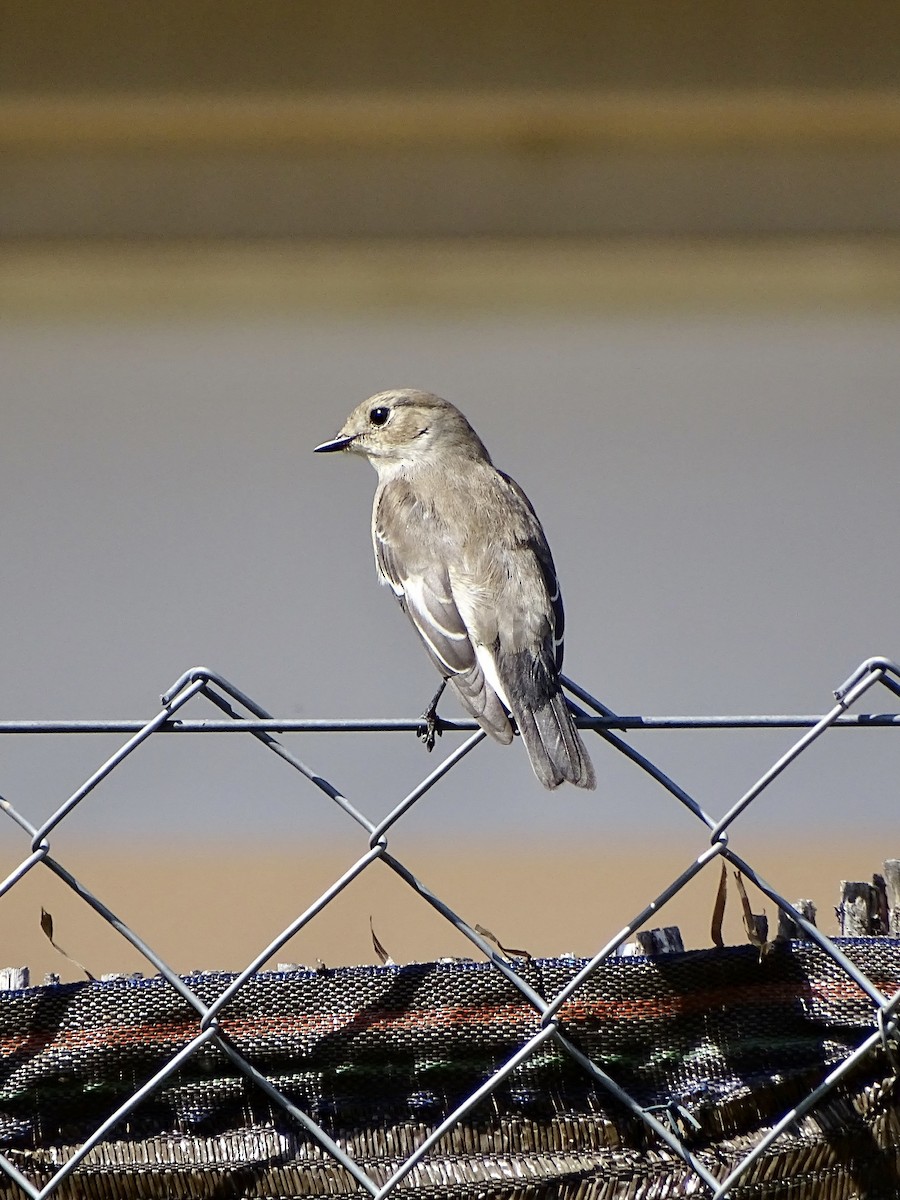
(338, 443)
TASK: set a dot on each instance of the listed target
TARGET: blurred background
(651, 250)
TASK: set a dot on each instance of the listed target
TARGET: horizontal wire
(407, 725)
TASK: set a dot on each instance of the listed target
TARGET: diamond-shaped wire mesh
(558, 1019)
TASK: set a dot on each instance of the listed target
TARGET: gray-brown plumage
(464, 552)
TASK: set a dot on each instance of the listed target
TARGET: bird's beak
(341, 442)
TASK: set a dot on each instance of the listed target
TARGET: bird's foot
(430, 727)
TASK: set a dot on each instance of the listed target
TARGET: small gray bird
(464, 552)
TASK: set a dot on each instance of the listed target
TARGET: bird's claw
(431, 726)
(429, 729)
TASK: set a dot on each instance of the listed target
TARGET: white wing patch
(449, 646)
(414, 588)
(489, 670)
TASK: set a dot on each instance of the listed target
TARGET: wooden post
(788, 930)
(880, 924)
(892, 886)
(654, 941)
(861, 908)
(14, 978)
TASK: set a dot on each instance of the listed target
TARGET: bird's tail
(554, 745)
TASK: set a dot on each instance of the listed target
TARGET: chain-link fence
(549, 998)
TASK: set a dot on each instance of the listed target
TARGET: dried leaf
(755, 924)
(47, 930)
(386, 960)
(745, 904)
(504, 950)
(718, 912)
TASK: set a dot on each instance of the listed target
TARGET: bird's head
(406, 427)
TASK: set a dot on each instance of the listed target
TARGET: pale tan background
(652, 250)
(222, 908)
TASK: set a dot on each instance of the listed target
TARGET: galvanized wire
(591, 714)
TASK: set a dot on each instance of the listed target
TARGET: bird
(462, 549)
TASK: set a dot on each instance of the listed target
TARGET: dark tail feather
(554, 746)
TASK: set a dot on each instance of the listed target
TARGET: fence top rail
(412, 724)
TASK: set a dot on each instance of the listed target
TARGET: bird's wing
(418, 576)
(534, 544)
(526, 655)
(508, 595)
(423, 590)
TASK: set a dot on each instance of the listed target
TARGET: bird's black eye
(378, 416)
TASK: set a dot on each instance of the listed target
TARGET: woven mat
(379, 1055)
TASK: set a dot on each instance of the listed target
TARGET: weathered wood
(788, 929)
(14, 978)
(880, 921)
(859, 910)
(667, 940)
(892, 885)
